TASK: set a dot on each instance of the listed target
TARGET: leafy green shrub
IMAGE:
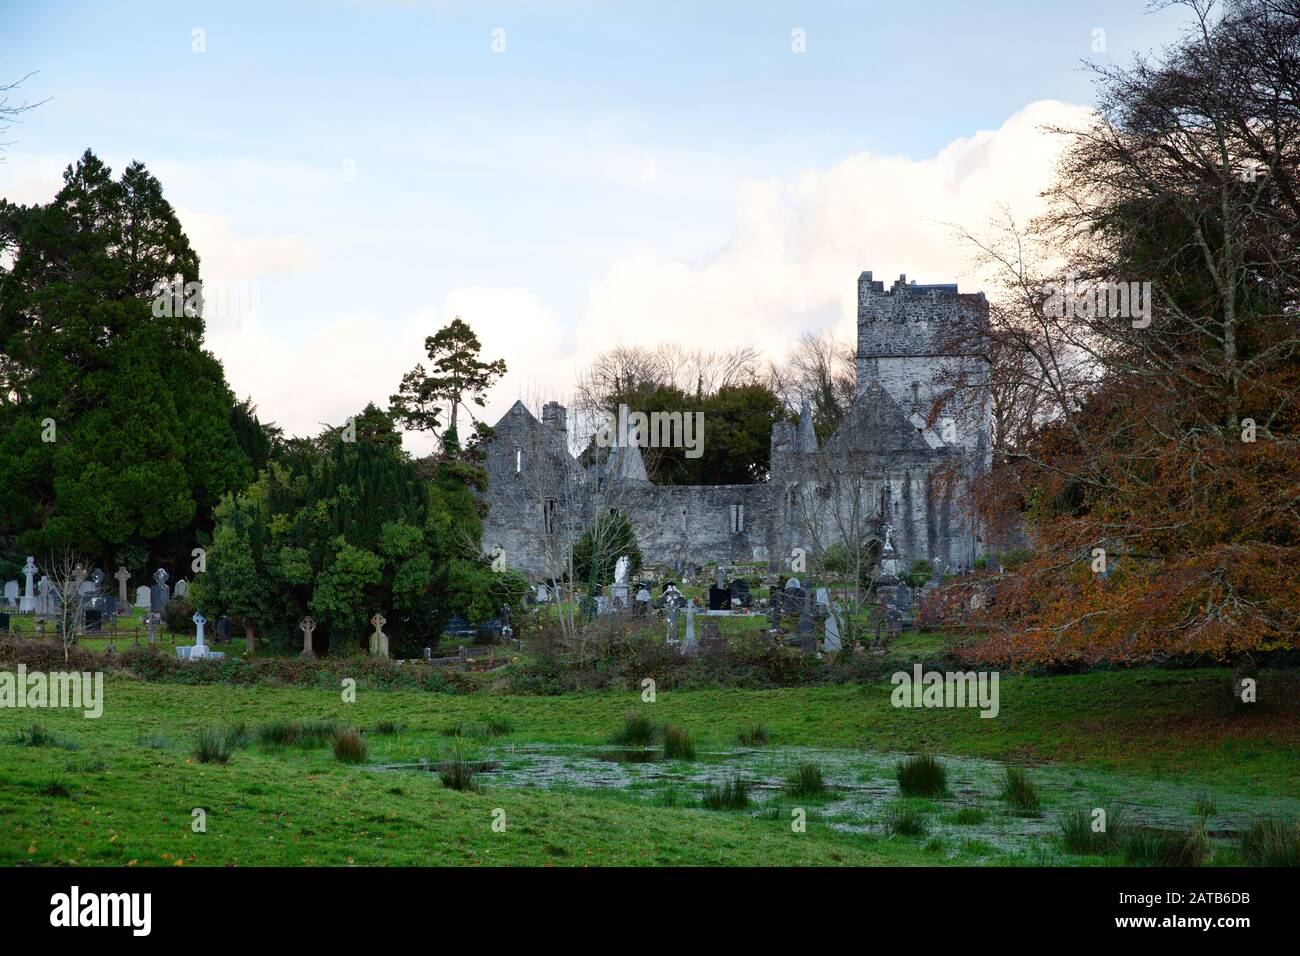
(731, 795)
(1080, 838)
(678, 744)
(921, 776)
(904, 821)
(1271, 842)
(1019, 791)
(638, 730)
(214, 745)
(349, 746)
(806, 781)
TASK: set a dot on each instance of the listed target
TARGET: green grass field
(121, 790)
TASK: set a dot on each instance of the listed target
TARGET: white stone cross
(379, 640)
(199, 620)
(28, 602)
(308, 624)
(123, 575)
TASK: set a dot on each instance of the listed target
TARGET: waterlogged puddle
(862, 787)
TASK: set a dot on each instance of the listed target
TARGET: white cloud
(798, 247)
(226, 256)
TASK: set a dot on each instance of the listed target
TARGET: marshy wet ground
(861, 790)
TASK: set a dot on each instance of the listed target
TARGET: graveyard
(409, 768)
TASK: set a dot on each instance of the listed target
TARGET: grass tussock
(456, 771)
(638, 730)
(36, 735)
(1271, 842)
(477, 730)
(54, 788)
(1019, 791)
(678, 744)
(806, 781)
(296, 733)
(1146, 846)
(921, 776)
(387, 728)
(1205, 806)
(755, 735)
(216, 744)
(1087, 833)
(349, 746)
(731, 795)
(970, 816)
(905, 821)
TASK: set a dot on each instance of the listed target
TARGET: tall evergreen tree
(117, 437)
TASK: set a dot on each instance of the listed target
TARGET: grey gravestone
(712, 642)
(160, 594)
(806, 628)
(719, 599)
(11, 593)
(688, 643)
(123, 575)
(831, 643)
(739, 590)
(308, 624)
(45, 597)
(142, 598)
(151, 622)
(379, 640)
(642, 602)
(223, 630)
(182, 588)
(671, 617)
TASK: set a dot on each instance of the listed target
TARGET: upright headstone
(831, 644)
(642, 602)
(379, 640)
(805, 628)
(688, 644)
(123, 575)
(670, 614)
(182, 588)
(200, 649)
(161, 593)
(307, 625)
(11, 593)
(28, 602)
(151, 622)
(142, 596)
(45, 599)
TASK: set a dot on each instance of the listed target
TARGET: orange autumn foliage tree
(1165, 434)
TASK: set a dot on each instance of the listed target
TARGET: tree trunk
(250, 638)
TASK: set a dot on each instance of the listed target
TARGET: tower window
(519, 460)
(737, 519)
(548, 515)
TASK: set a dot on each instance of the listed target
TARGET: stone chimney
(556, 417)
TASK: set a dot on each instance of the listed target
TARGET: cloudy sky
(566, 176)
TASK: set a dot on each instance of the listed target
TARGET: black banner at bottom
(299, 905)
